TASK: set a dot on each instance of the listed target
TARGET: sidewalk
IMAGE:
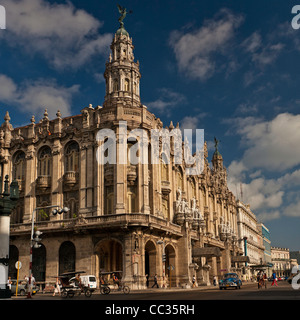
(174, 289)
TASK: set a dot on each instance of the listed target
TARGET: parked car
(22, 288)
(230, 280)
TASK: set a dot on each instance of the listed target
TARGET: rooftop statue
(123, 11)
(217, 142)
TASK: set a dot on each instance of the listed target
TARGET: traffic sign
(18, 265)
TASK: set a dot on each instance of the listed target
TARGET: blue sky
(229, 67)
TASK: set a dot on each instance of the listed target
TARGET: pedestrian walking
(147, 280)
(57, 287)
(274, 279)
(215, 280)
(265, 280)
(155, 282)
(258, 280)
(9, 282)
(194, 281)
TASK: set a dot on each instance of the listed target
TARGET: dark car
(230, 280)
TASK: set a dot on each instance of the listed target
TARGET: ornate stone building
(122, 217)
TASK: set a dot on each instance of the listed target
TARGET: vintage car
(22, 287)
(230, 280)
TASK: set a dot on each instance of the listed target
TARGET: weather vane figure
(217, 142)
(123, 11)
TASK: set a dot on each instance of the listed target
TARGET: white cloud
(262, 52)
(270, 146)
(167, 100)
(37, 96)
(293, 210)
(194, 50)
(64, 35)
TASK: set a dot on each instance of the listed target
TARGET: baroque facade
(140, 219)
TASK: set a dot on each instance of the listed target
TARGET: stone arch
(67, 257)
(110, 254)
(150, 260)
(170, 265)
(13, 258)
(39, 263)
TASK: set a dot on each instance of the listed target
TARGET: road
(284, 291)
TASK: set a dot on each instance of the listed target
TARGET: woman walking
(274, 279)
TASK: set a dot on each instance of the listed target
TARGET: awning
(240, 259)
(206, 252)
(262, 266)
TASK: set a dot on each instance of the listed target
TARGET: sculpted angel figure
(123, 11)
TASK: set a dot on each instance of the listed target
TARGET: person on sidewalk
(155, 282)
(274, 279)
(194, 281)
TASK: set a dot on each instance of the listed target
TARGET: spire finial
(7, 117)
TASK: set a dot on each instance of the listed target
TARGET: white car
(89, 281)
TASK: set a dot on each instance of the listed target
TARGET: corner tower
(122, 73)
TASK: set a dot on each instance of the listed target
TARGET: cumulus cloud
(195, 50)
(64, 35)
(270, 146)
(37, 96)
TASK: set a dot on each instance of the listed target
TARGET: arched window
(131, 199)
(193, 189)
(72, 157)
(67, 257)
(126, 85)
(109, 199)
(179, 179)
(71, 202)
(116, 85)
(164, 168)
(45, 162)
(19, 166)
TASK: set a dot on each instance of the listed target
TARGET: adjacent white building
(250, 239)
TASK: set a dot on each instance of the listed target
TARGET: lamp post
(34, 241)
(163, 260)
(8, 200)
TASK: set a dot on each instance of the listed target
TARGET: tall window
(126, 85)
(164, 168)
(193, 189)
(131, 199)
(179, 179)
(19, 166)
(45, 162)
(109, 200)
(115, 85)
(72, 157)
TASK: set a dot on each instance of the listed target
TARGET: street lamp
(163, 260)
(8, 200)
(34, 240)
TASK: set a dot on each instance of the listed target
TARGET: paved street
(284, 291)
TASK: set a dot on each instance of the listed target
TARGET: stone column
(90, 177)
(120, 177)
